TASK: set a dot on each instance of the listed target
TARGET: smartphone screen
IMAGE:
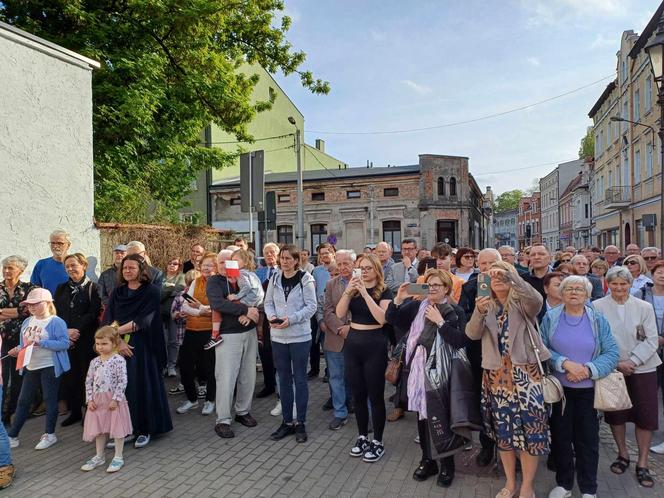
(483, 285)
(418, 289)
(278, 321)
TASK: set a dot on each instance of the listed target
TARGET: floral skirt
(513, 408)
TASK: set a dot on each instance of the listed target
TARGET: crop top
(359, 310)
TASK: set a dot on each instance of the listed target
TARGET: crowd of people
(471, 339)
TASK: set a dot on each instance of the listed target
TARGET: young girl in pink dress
(108, 411)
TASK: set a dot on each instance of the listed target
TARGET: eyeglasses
(366, 269)
(435, 286)
(650, 258)
(565, 260)
(468, 256)
(58, 243)
(575, 290)
(632, 262)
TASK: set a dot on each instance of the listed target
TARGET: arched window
(441, 186)
(453, 186)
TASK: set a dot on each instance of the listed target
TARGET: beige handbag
(611, 393)
(552, 389)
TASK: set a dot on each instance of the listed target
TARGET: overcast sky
(395, 65)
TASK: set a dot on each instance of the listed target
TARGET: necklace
(565, 315)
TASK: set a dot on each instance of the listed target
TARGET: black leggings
(365, 355)
(194, 360)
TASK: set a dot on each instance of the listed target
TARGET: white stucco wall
(46, 175)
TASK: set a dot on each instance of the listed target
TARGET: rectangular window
(318, 236)
(236, 201)
(637, 105)
(637, 167)
(647, 98)
(587, 212)
(285, 234)
(610, 179)
(600, 147)
(625, 112)
(392, 234)
(649, 161)
(391, 192)
(318, 196)
(623, 67)
(353, 194)
(283, 198)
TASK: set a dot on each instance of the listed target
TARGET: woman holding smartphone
(290, 302)
(365, 352)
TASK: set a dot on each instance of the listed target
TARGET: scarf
(76, 287)
(416, 389)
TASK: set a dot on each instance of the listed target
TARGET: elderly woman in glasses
(638, 269)
(635, 330)
(582, 350)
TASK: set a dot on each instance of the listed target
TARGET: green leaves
(169, 69)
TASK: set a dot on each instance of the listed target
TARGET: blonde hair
(643, 268)
(50, 307)
(511, 295)
(380, 279)
(190, 276)
(111, 333)
(444, 276)
(246, 258)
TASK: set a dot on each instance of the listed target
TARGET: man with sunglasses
(50, 272)
(651, 255)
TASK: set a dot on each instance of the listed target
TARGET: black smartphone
(483, 285)
(188, 298)
(277, 321)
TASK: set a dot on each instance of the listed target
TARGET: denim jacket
(606, 353)
(298, 308)
(646, 294)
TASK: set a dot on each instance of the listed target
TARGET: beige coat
(527, 304)
(333, 292)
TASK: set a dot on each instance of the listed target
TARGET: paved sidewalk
(193, 461)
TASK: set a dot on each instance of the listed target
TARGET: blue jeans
(339, 389)
(5, 450)
(291, 361)
(50, 384)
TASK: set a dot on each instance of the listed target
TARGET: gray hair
(225, 252)
(135, 244)
(510, 248)
(349, 252)
(578, 257)
(232, 248)
(272, 245)
(59, 232)
(619, 272)
(19, 261)
(491, 250)
(386, 244)
(576, 279)
(649, 249)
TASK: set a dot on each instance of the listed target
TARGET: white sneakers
(208, 408)
(586, 495)
(186, 406)
(93, 463)
(659, 449)
(13, 442)
(560, 492)
(277, 411)
(46, 441)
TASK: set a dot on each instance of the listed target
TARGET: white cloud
(534, 61)
(417, 87)
(602, 41)
(377, 35)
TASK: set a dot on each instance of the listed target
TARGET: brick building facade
(530, 220)
(434, 200)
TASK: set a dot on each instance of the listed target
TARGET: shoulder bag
(394, 366)
(611, 393)
(552, 389)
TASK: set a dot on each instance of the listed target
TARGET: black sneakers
(361, 446)
(300, 433)
(213, 343)
(374, 453)
(283, 431)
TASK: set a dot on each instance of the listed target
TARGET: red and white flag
(24, 356)
(232, 269)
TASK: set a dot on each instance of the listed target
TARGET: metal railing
(618, 195)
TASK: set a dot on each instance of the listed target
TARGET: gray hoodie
(299, 308)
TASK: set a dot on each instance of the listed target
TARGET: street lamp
(300, 188)
(655, 50)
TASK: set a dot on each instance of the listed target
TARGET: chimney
(320, 144)
(367, 163)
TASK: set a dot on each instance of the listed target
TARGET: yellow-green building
(274, 134)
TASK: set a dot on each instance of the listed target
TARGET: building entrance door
(446, 232)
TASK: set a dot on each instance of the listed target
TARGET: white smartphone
(357, 273)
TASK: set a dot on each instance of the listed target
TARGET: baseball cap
(38, 295)
(120, 247)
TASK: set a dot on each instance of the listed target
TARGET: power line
(254, 140)
(319, 162)
(458, 123)
(524, 167)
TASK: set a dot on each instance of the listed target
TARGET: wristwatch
(440, 324)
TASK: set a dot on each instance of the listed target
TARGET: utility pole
(300, 186)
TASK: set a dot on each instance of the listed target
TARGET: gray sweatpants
(235, 362)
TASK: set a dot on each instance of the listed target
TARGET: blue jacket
(606, 354)
(298, 308)
(58, 342)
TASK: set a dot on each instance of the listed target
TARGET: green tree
(587, 148)
(169, 68)
(508, 200)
